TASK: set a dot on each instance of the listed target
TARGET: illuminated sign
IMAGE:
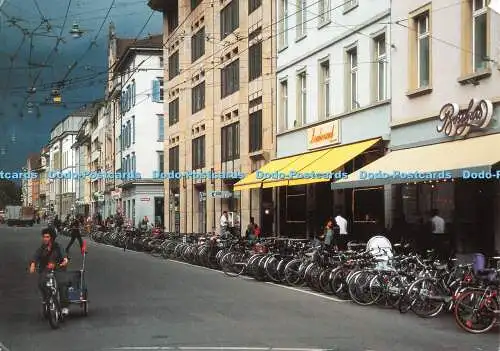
(455, 121)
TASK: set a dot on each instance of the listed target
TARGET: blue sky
(30, 60)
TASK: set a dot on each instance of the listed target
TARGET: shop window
(368, 206)
(419, 199)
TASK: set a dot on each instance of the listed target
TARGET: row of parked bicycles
(372, 273)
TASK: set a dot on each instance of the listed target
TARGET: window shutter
(156, 90)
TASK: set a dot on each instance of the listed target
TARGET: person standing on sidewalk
(329, 233)
(341, 223)
(439, 240)
(224, 225)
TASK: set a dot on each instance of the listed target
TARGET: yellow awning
(333, 160)
(294, 167)
(255, 179)
(321, 162)
(454, 159)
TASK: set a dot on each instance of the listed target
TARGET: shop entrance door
(159, 211)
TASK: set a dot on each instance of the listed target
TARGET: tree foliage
(10, 193)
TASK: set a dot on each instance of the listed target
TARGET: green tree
(10, 193)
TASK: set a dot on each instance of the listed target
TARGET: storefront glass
(419, 199)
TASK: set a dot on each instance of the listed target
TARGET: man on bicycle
(49, 252)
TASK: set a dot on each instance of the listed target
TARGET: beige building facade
(218, 95)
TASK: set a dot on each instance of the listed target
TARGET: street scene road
(139, 302)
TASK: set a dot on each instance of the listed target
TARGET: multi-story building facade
(116, 48)
(42, 180)
(445, 120)
(97, 159)
(62, 182)
(218, 96)
(33, 166)
(142, 129)
(82, 148)
(333, 110)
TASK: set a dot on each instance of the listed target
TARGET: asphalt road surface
(140, 302)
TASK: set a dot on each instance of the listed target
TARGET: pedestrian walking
(75, 235)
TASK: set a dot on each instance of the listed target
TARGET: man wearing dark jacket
(75, 234)
(49, 252)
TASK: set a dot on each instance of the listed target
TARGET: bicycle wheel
(475, 313)
(232, 264)
(292, 275)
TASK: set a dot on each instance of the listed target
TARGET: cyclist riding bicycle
(50, 252)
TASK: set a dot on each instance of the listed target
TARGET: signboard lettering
(459, 122)
(323, 135)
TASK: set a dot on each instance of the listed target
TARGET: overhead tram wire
(49, 56)
(56, 46)
(91, 45)
(136, 38)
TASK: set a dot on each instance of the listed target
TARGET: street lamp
(75, 31)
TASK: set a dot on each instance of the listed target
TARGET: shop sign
(203, 196)
(224, 194)
(457, 122)
(145, 199)
(323, 135)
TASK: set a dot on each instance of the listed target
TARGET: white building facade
(333, 109)
(142, 130)
(62, 170)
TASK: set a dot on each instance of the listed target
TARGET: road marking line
(307, 292)
(142, 348)
(222, 348)
(3, 347)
